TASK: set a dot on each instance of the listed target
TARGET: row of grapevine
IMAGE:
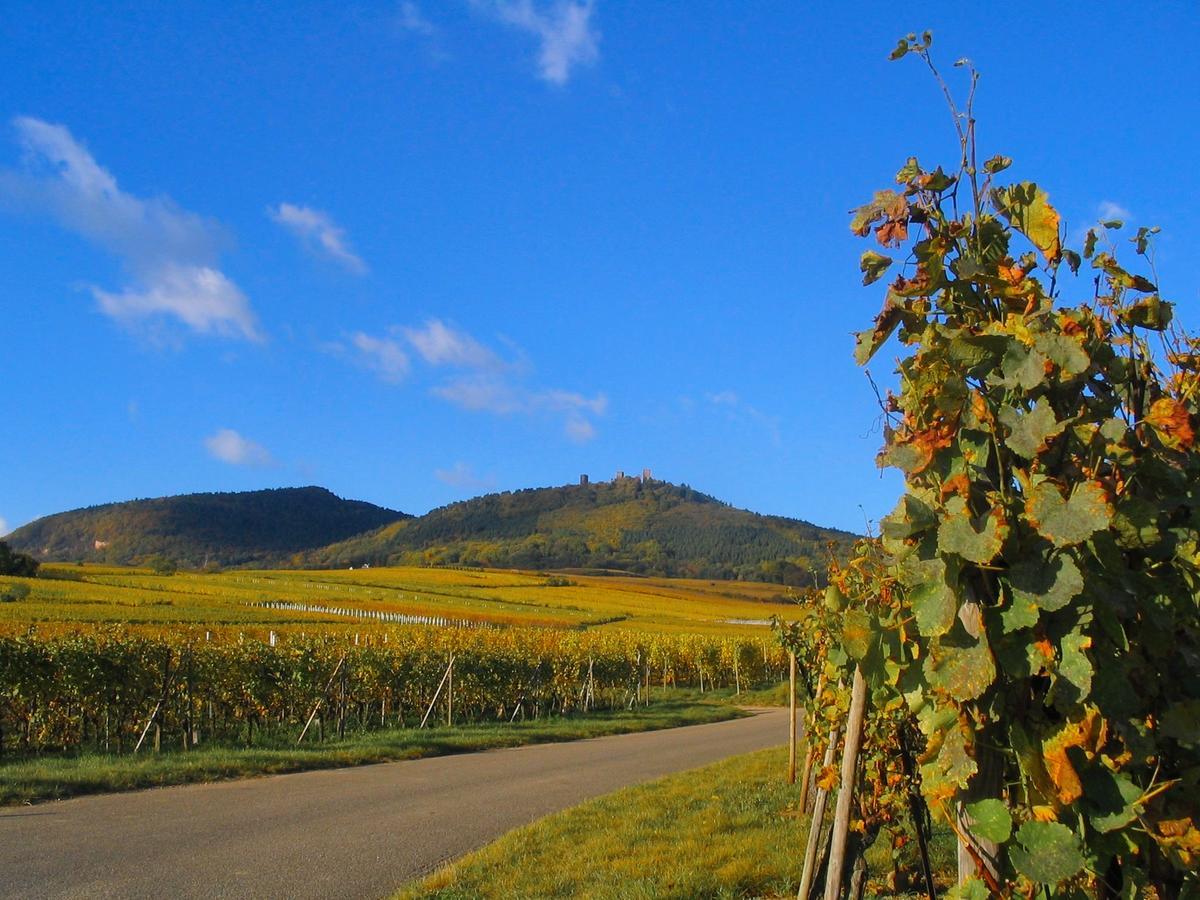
(100, 688)
(1017, 655)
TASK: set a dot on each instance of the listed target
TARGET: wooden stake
(818, 821)
(450, 692)
(918, 812)
(791, 776)
(320, 699)
(437, 693)
(810, 757)
(841, 819)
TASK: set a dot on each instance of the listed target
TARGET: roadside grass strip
(723, 831)
(32, 779)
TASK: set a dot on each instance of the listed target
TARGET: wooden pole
(810, 757)
(791, 776)
(818, 820)
(450, 692)
(317, 706)
(841, 819)
(437, 693)
(917, 810)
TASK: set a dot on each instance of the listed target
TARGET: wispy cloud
(230, 447)
(382, 355)
(319, 234)
(171, 254)
(737, 410)
(1108, 210)
(475, 377)
(566, 33)
(463, 476)
(4, 529)
(412, 19)
(440, 345)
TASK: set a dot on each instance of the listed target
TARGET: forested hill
(252, 527)
(653, 528)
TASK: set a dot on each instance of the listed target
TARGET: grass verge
(40, 778)
(727, 830)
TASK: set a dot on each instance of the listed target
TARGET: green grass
(727, 830)
(46, 777)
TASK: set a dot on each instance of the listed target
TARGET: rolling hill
(251, 527)
(652, 528)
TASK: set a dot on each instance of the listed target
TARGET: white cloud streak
(440, 345)
(566, 34)
(1109, 210)
(463, 476)
(171, 254)
(4, 529)
(478, 380)
(412, 19)
(319, 234)
(230, 447)
(381, 355)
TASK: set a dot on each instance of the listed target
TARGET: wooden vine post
(791, 775)
(841, 819)
(818, 821)
(810, 756)
(317, 705)
(438, 692)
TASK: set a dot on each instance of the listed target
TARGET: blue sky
(417, 251)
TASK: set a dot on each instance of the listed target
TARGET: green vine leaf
(873, 265)
(1047, 852)
(1047, 585)
(1111, 799)
(935, 607)
(1029, 432)
(1066, 522)
(1065, 352)
(978, 542)
(1022, 367)
(960, 666)
(990, 820)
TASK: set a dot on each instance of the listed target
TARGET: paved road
(357, 833)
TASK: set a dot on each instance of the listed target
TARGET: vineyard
(104, 658)
(99, 594)
(103, 689)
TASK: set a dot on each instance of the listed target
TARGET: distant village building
(645, 476)
(99, 545)
(583, 480)
(620, 476)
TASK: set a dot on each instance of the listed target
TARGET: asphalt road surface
(358, 833)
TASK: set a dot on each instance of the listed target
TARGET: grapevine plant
(1039, 610)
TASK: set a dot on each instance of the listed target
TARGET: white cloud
(319, 233)
(230, 447)
(4, 529)
(579, 429)
(736, 410)
(171, 254)
(481, 380)
(480, 393)
(723, 398)
(1110, 210)
(412, 19)
(565, 31)
(500, 395)
(461, 475)
(440, 345)
(383, 356)
(202, 298)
